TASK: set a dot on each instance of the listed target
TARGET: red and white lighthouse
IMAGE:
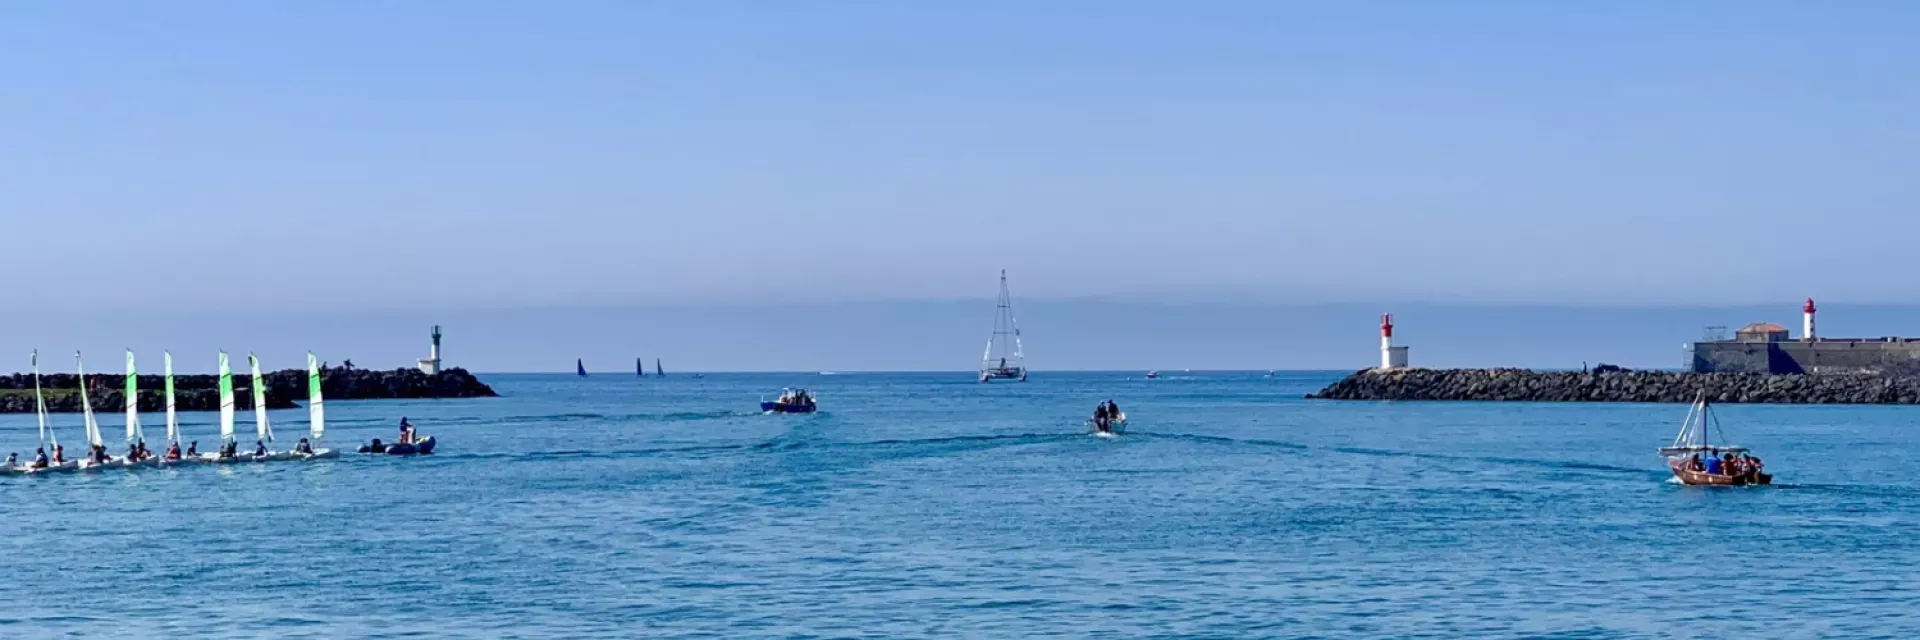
(1391, 357)
(1806, 322)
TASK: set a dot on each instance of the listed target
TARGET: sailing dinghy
(316, 413)
(135, 437)
(263, 428)
(1695, 460)
(49, 442)
(94, 441)
(173, 423)
(226, 416)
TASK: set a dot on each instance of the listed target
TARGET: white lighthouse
(1806, 322)
(430, 365)
(1391, 357)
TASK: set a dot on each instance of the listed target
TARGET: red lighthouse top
(1386, 325)
(1809, 307)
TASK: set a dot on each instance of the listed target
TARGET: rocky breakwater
(285, 389)
(1522, 385)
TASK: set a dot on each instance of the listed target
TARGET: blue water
(920, 505)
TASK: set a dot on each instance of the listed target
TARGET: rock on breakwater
(1523, 385)
(201, 392)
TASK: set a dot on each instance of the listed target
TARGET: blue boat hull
(779, 407)
(422, 447)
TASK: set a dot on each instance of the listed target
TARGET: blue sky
(451, 159)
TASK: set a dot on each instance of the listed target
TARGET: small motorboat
(422, 446)
(1115, 426)
(791, 401)
(1695, 461)
(1153, 375)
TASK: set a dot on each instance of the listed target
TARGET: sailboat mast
(40, 405)
(133, 402)
(316, 405)
(86, 405)
(259, 400)
(173, 422)
(226, 400)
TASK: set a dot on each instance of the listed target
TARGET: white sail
(40, 406)
(226, 399)
(260, 400)
(316, 405)
(134, 434)
(173, 423)
(86, 405)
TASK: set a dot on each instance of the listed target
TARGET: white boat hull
(317, 454)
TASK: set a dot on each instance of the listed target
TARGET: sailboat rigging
(1009, 361)
(1696, 460)
(262, 427)
(96, 444)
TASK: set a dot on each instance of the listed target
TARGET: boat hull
(781, 407)
(423, 446)
(1693, 478)
(317, 454)
(1009, 373)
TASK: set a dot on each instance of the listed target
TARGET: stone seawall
(201, 392)
(1521, 385)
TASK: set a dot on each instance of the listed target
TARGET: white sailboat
(1012, 360)
(49, 442)
(316, 412)
(135, 436)
(173, 424)
(226, 414)
(94, 440)
(264, 429)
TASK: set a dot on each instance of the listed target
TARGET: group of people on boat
(795, 397)
(1105, 415)
(1740, 465)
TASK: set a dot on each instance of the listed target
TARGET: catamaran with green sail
(316, 414)
(262, 451)
(136, 439)
(226, 416)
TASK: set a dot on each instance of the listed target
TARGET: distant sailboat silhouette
(579, 367)
(656, 368)
(639, 368)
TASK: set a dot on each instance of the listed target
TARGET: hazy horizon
(928, 336)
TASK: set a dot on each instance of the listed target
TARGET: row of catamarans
(52, 458)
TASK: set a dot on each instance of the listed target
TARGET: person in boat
(133, 452)
(1113, 410)
(13, 460)
(173, 451)
(99, 454)
(59, 454)
(1100, 417)
(1713, 464)
(303, 447)
(40, 458)
(228, 450)
(377, 447)
(406, 431)
(259, 447)
(193, 449)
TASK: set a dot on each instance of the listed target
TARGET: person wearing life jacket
(133, 453)
(40, 458)
(303, 447)
(59, 454)
(260, 447)
(99, 454)
(173, 451)
(406, 431)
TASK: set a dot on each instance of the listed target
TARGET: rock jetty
(201, 392)
(1523, 385)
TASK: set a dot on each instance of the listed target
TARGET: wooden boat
(1696, 461)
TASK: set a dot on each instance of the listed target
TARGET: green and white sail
(260, 400)
(173, 423)
(226, 399)
(86, 405)
(47, 438)
(316, 405)
(133, 403)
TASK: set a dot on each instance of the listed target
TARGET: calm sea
(927, 505)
